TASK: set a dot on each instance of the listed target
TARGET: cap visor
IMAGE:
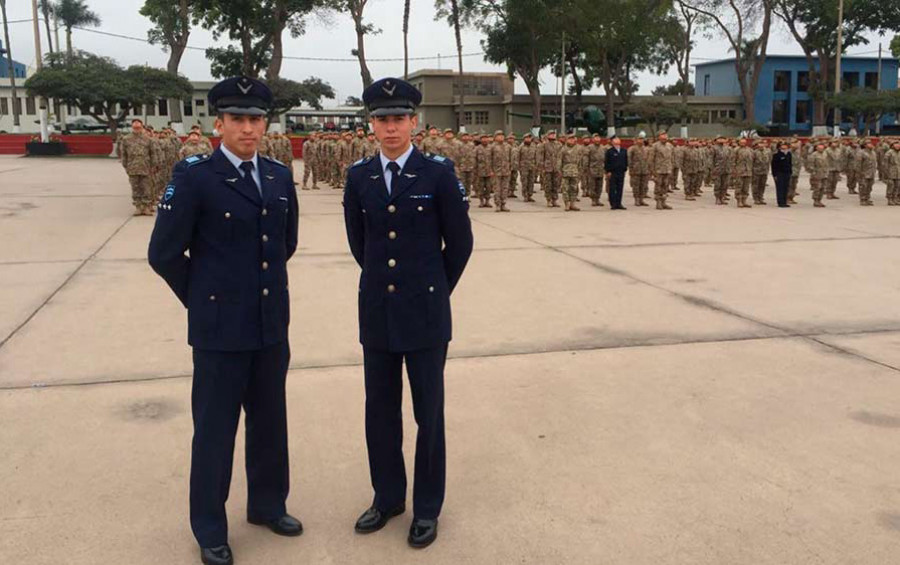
(242, 111)
(392, 112)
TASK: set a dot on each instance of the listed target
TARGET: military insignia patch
(192, 159)
(462, 188)
(170, 193)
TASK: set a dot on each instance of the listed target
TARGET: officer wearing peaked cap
(408, 227)
(235, 213)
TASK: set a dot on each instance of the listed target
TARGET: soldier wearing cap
(408, 227)
(514, 164)
(235, 213)
(527, 166)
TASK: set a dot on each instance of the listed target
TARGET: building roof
(884, 58)
(451, 72)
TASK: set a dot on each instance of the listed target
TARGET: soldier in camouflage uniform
(851, 164)
(690, 169)
(501, 155)
(135, 152)
(834, 156)
(866, 166)
(550, 172)
(484, 172)
(892, 174)
(796, 168)
(309, 161)
(527, 166)
(569, 163)
(639, 170)
(719, 168)
(677, 159)
(431, 143)
(465, 163)
(191, 147)
(743, 172)
(662, 157)
(818, 166)
(513, 164)
(596, 166)
(762, 159)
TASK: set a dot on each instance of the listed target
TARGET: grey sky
(427, 38)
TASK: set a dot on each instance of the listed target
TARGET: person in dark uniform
(616, 166)
(235, 212)
(782, 167)
(407, 219)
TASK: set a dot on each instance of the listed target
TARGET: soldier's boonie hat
(499, 132)
(551, 132)
(391, 97)
(241, 95)
(448, 130)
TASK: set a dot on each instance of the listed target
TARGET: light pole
(42, 102)
(837, 69)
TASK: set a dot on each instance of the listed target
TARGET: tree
(99, 87)
(866, 104)
(406, 40)
(353, 101)
(813, 24)
(450, 10)
(656, 112)
(287, 94)
(521, 34)
(46, 8)
(9, 66)
(74, 13)
(356, 9)
(737, 20)
(171, 28)
(677, 89)
(895, 46)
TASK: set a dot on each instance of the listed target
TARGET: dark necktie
(247, 167)
(394, 168)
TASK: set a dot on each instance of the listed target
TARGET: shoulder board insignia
(194, 159)
(362, 161)
(271, 160)
(437, 159)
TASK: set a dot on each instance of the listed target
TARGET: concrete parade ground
(707, 385)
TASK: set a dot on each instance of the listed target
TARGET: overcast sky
(427, 38)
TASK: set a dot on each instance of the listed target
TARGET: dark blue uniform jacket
(412, 246)
(234, 281)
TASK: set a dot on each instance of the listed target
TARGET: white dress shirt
(236, 161)
(401, 161)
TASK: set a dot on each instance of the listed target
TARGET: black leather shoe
(374, 519)
(287, 525)
(220, 555)
(422, 533)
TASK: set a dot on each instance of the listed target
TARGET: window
(4, 106)
(803, 81)
(29, 106)
(199, 102)
(782, 81)
(150, 109)
(872, 81)
(482, 118)
(188, 108)
(467, 117)
(851, 80)
(163, 106)
(478, 86)
(779, 112)
(803, 111)
(17, 104)
(732, 114)
(705, 85)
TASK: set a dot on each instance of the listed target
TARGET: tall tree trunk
(9, 63)
(406, 40)
(281, 17)
(45, 8)
(175, 54)
(534, 91)
(69, 42)
(454, 7)
(579, 87)
(606, 77)
(357, 14)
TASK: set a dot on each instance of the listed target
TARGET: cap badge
(244, 89)
(388, 89)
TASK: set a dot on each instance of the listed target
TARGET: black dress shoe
(620, 208)
(422, 533)
(287, 525)
(374, 519)
(220, 555)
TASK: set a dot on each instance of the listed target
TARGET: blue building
(18, 68)
(782, 98)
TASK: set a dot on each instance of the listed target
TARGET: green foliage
(288, 94)
(895, 46)
(99, 87)
(75, 13)
(228, 61)
(658, 113)
(673, 89)
(172, 21)
(866, 102)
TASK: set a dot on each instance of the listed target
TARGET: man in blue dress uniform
(408, 226)
(235, 212)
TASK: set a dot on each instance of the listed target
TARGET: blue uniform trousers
(384, 427)
(225, 381)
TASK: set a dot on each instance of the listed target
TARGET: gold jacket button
(392, 208)
(391, 288)
(265, 292)
(392, 235)
(392, 263)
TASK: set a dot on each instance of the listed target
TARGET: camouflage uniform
(501, 157)
(818, 167)
(762, 160)
(866, 165)
(596, 156)
(484, 173)
(568, 162)
(465, 165)
(550, 172)
(743, 172)
(719, 169)
(514, 150)
(833, 156)
(690, 171)
(136, 154)
(310, 148)
(639, 171)
(677, 160)
(662, 158)
(851, 166)
(527, 165)
(892, 176)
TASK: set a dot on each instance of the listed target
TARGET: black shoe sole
(393, 514)
(421, 545)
